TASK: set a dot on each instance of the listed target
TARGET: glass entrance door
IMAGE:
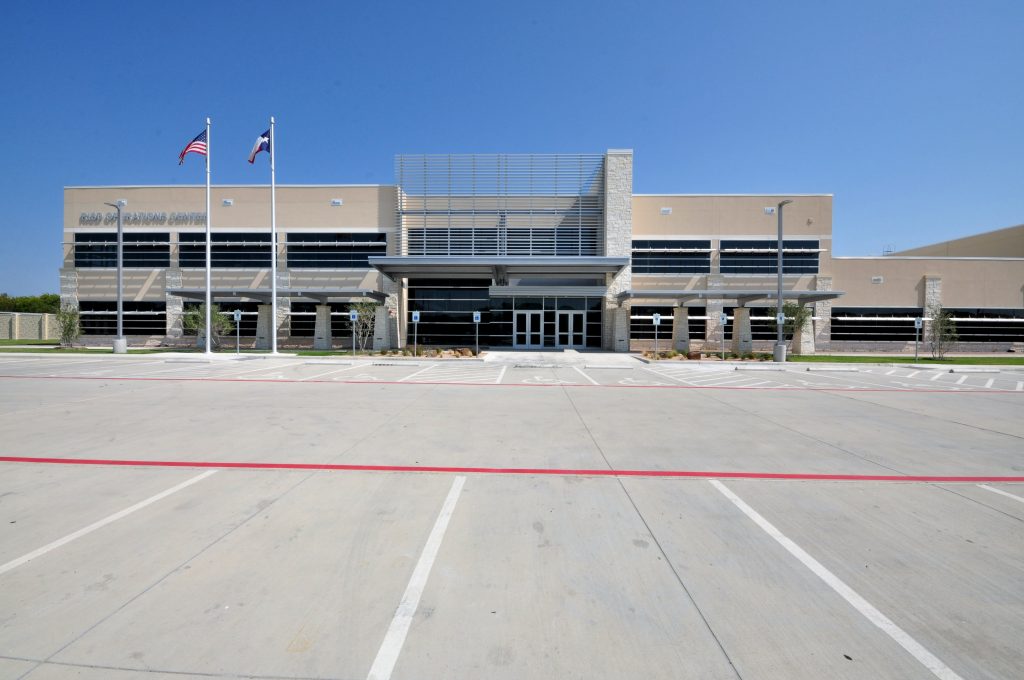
(571, 330)
(528, 333)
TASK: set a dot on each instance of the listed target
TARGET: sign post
(657, 322)
(918, 323)
(476, 325)
(353, 316)
(723, 319)
(415, 332)
(238, 331)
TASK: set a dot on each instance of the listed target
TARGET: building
(551, 250)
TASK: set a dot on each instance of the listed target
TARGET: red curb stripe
(564, 472)
(794, 388)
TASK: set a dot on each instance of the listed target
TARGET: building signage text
(174, 218)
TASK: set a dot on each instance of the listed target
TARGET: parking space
(693, 375)
(327, 518)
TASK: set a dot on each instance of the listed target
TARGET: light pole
(780, 338)
(120, 344)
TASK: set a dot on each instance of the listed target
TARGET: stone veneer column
(381, 332)
(713, 308)
(322, 328)
(391, 332)
(263, 326)
(284, 305)
(681, 329)
(618, 242)
(742, 338)
(174, 306)
(69, 288)
(803, 338)
(932, 301)
(823, 312)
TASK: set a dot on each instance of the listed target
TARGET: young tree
(194, 322)
(944, 335)
(68, 325)
(363, 327)
(796, 316)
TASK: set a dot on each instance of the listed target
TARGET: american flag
(197, 145)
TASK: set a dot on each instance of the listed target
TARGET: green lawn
(16, 343)
(1008, 360)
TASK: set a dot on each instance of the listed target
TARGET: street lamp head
(785, 202)
(119, 204)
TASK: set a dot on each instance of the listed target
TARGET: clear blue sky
(910, 112)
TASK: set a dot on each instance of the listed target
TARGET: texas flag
(262, 144)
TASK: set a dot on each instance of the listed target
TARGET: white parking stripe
(663, 374)
(333, 370)
(988, 383)
(961, 379)
(1001, 492)
(413, 375)
(394, 639)
(913, 373)
(936, 376)
(102, 523)
(580, 371)
(1020, 386)
(501, 375)
(232, 374)
(926, 658)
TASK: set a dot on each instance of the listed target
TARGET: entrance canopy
(742, 297)
(496, 268)
(320, 295)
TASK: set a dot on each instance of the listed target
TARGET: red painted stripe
(794, 388)
(565, 472)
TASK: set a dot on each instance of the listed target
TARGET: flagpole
(209, 294)
(273, 245)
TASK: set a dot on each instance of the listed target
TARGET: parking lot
(525, 370)
(524, 517)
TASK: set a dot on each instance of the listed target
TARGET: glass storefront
(446, 317)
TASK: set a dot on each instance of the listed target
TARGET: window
(334, 251)
(641, 322)
(446, 312)
(988, 325)
(138, 250)
(665, 256)
(238, 250)
(246, 327)
(761, 257)
(99, 317)
(503, 240)
(303, 320)
(862, 324)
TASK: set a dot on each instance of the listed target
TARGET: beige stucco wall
(966, 282)
(730, 216)
(1007, 242)
(735, 217)
(298, 207)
